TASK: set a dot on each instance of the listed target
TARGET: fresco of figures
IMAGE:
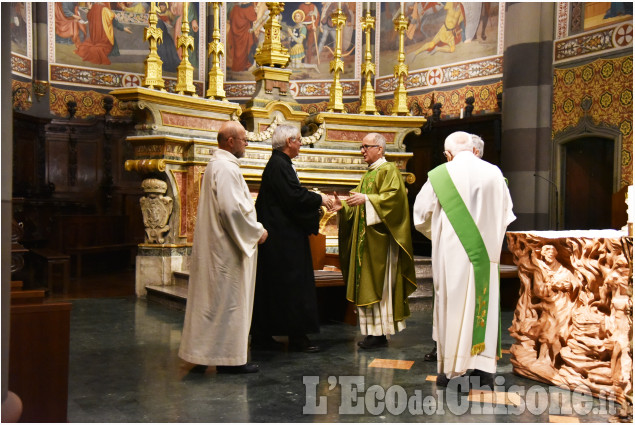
(18, 23)
(439, 33)
(597, 14)
(573, 323)
(307, 32)
(109, 35)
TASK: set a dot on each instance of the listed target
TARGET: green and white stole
(470, 237)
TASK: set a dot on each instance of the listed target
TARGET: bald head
(457, 142)
(232, 138)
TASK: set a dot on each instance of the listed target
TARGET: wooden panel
(57, 163)
(88, 164)
(588, 184)
(38, 360)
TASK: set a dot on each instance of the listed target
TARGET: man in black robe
(285, 301)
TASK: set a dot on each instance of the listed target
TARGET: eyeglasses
(366, 147)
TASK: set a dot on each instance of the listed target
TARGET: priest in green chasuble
(375, 246)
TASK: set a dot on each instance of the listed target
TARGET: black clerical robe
(285, 300)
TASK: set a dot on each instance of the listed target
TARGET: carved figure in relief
(575, 317)
(156, 209)
(557, 287)
(619, 326)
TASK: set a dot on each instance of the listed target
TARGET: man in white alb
(465, 208)
(223, 263)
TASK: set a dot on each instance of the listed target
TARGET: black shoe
(480, 380)
(246, 368)
(442, 380)
(199, 368)
(372, 341)
(460, 384)
(432, 355)
(265, 343)
(303, 344)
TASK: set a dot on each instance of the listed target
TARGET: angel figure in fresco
(557, 288)
(311, 21)
(449, 34)
(101, 43)
(297, 34)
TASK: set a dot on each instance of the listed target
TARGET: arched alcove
(587, 174)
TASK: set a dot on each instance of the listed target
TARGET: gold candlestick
(367, 105)
(272, 53)
(336, 66)
(215, 88)
(153, 65)
(185, 71)
(401, 69)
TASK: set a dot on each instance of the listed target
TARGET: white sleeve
(372, 217)
(422, 210)
(237, 211)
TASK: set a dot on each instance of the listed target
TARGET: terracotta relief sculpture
(573, 322)
(156, 210)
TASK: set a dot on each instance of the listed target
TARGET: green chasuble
(364, 249)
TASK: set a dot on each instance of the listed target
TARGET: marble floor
(124, 368)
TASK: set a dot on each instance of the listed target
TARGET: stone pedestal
(155, 265)
(573, 324)
(175, 136)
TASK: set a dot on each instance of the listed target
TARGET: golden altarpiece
(175, 136)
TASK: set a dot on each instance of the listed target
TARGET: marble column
(527, 93)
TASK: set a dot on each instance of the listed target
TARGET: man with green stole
(465, 208)
(375, 247)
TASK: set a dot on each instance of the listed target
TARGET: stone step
(175, 296)
(171, 296)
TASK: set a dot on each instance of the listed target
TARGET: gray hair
(378, 139)
(478, 144)
(458, 141)
(281, 134)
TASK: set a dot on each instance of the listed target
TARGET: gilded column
(185, 71)
(368, 69)
(336, 66)
(401, 69)
(153, 65)
(215, 87)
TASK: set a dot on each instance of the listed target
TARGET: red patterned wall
(608, 83)
(452, 101)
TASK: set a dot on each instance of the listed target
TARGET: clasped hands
(334, 203)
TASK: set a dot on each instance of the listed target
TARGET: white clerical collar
(377, 163)
(222, 153)
(464, 153)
